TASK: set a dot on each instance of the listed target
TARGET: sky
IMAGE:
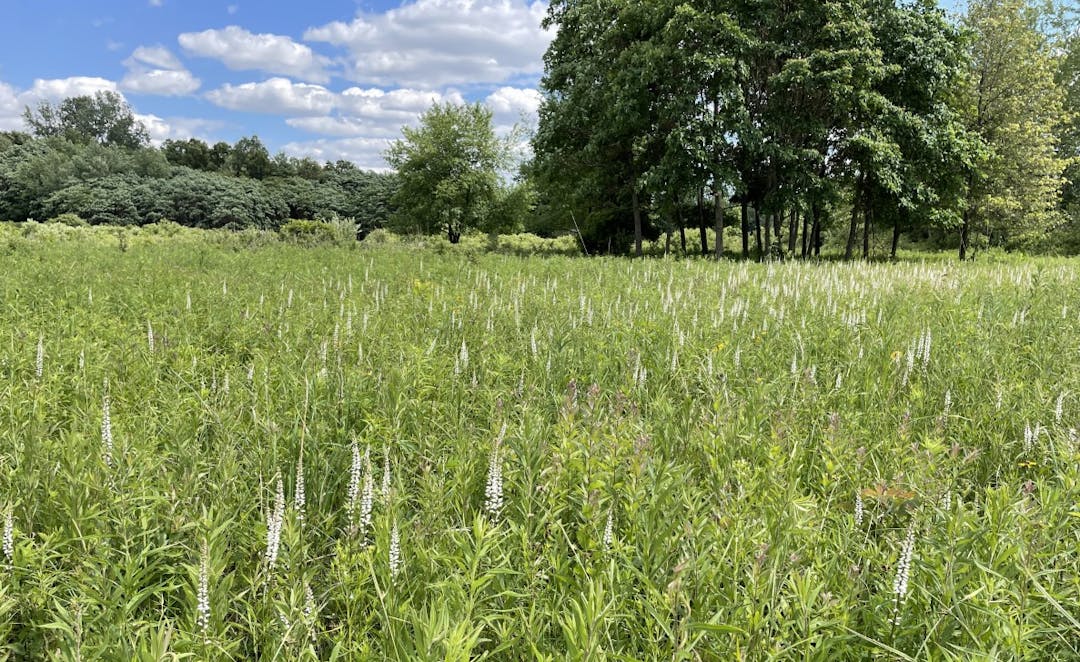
(330, 79)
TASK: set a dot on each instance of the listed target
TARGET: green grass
(772, 396)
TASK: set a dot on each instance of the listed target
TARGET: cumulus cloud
(364, 152)
(155, 70)
(58, 89)
(434, 43)
(10, 110)
(13, 101)
(368, 120)
(176, 128)
(512, 105)
(241, 50)
(275, 95)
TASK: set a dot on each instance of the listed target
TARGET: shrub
(309, 232)
(69, 219)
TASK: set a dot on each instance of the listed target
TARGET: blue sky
(329, 79)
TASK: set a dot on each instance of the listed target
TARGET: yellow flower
(895, 356)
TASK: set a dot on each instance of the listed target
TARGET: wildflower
(202, 607)
(300, 497)
(493, 493)
(858, 509)
(463, 359)
(150, 336)
(948, 405)
(39, 364)
(1059, 407)
(274, 522)
(355, 471)
(9, 535)
(106, 428)
(609, 528)
(385, 488)
(395, 551)
(367, 496)
(309, 610)
(903, 571)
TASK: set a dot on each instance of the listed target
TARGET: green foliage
(68, 219)
(1015, 107)
(448, 171)
(721, 419)
(334, 231)
(104, 118)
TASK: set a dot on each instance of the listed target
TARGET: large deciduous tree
(1013, 104)
(104, 118)
(448, 170)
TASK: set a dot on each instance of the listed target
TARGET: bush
(69, 219)
(310, 232)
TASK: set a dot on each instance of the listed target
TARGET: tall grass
(550, 459)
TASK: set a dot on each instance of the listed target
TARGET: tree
(448, 169)
(104, 118)
(1013, 104)
(250, 158)
(192, 153)
(1069, 140)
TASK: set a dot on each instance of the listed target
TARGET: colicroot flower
(903, 572)
(202, 607)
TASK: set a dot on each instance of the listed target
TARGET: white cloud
(176, 128)
(402, 104)
(10, 110)
(374, 113)
(276, 95)
(13, 102)
(157, 57)
(368, 120)
(241, 50)
(434, 43)
(160, 81)
(232, 9)
(364, 152)
(156, 3)
(512, 105)
(155, 70)
(58, 89)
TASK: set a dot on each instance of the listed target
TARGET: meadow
(220, 452)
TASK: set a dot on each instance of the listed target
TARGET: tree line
(89, 157)
(797, 119)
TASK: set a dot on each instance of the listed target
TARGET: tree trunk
(667, 243)
(815, 234)
(745, 230)
(701, 222)
(965, 235)
(853, 231)
(768, 236)
(868, 220)
(718, 212)
(793, 231)
(757, 226)
(682, 229)
(806, 229)
(895, 238)
(637, 223)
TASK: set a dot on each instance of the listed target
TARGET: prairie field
(402, 453)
